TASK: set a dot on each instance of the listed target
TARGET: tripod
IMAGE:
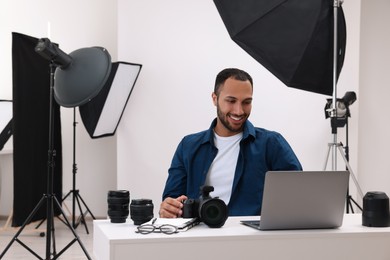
(76, 198)
(49, 198)
(349, 200)
(339, 121)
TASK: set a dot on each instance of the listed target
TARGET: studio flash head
(51, 52)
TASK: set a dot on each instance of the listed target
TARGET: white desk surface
(235, 241)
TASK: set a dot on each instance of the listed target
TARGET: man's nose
(237, 109)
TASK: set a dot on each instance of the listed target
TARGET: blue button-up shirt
(260, 151)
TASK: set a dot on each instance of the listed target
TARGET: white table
(236, 241)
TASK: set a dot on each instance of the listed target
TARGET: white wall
(374, 121)
(183, 45)
(74, 24)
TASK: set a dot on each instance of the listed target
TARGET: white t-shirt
(221, 172)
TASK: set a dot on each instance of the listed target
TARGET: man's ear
(215, 98)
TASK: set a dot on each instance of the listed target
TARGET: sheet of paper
(178, 222)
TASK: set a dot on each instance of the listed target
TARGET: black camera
(212, 211)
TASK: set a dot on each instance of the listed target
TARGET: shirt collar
(249, 131)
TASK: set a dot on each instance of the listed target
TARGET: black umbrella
(293, 39)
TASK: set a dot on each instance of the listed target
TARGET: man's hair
(230, 73)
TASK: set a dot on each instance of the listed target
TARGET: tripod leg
(77, 238)
(349, 197)
(85, 205)
(78, 198)
(15, 238)
(351, 171)
(67, 195)
(349, 205)
(354, 202)
(53, 232)
(327, 156)
(82, 219)
(40, 223)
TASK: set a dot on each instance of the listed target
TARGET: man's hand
(171, 208)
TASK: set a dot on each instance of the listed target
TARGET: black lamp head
(50, 51)
(342, 105)
(348, 99)
(79, 76)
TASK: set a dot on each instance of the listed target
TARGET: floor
(32, 238)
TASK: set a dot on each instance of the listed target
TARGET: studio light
(74, 80)
(51, 52)
(79, 76)
(342, 105)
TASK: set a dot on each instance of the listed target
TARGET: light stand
(341, 120)
(76, 198)
(79, 77)
(332, 112)
(49, 197)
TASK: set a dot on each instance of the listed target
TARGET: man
(232, 155)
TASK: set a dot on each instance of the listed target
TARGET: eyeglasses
(150, 228)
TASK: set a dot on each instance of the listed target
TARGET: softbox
(5, 122)
(293, 39)
(101, 116)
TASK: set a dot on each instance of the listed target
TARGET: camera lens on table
(376, 209)
(118, 205)
(141, 210)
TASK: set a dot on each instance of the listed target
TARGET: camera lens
(141, 211)
(376, 209)
(118, 205)
(213, 212)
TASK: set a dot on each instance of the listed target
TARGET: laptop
(302, 200)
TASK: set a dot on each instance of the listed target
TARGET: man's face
(234, 104)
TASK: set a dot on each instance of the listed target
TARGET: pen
(154, 220)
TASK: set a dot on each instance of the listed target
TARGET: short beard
(226, 124)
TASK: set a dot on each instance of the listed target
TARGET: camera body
(212, 211)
